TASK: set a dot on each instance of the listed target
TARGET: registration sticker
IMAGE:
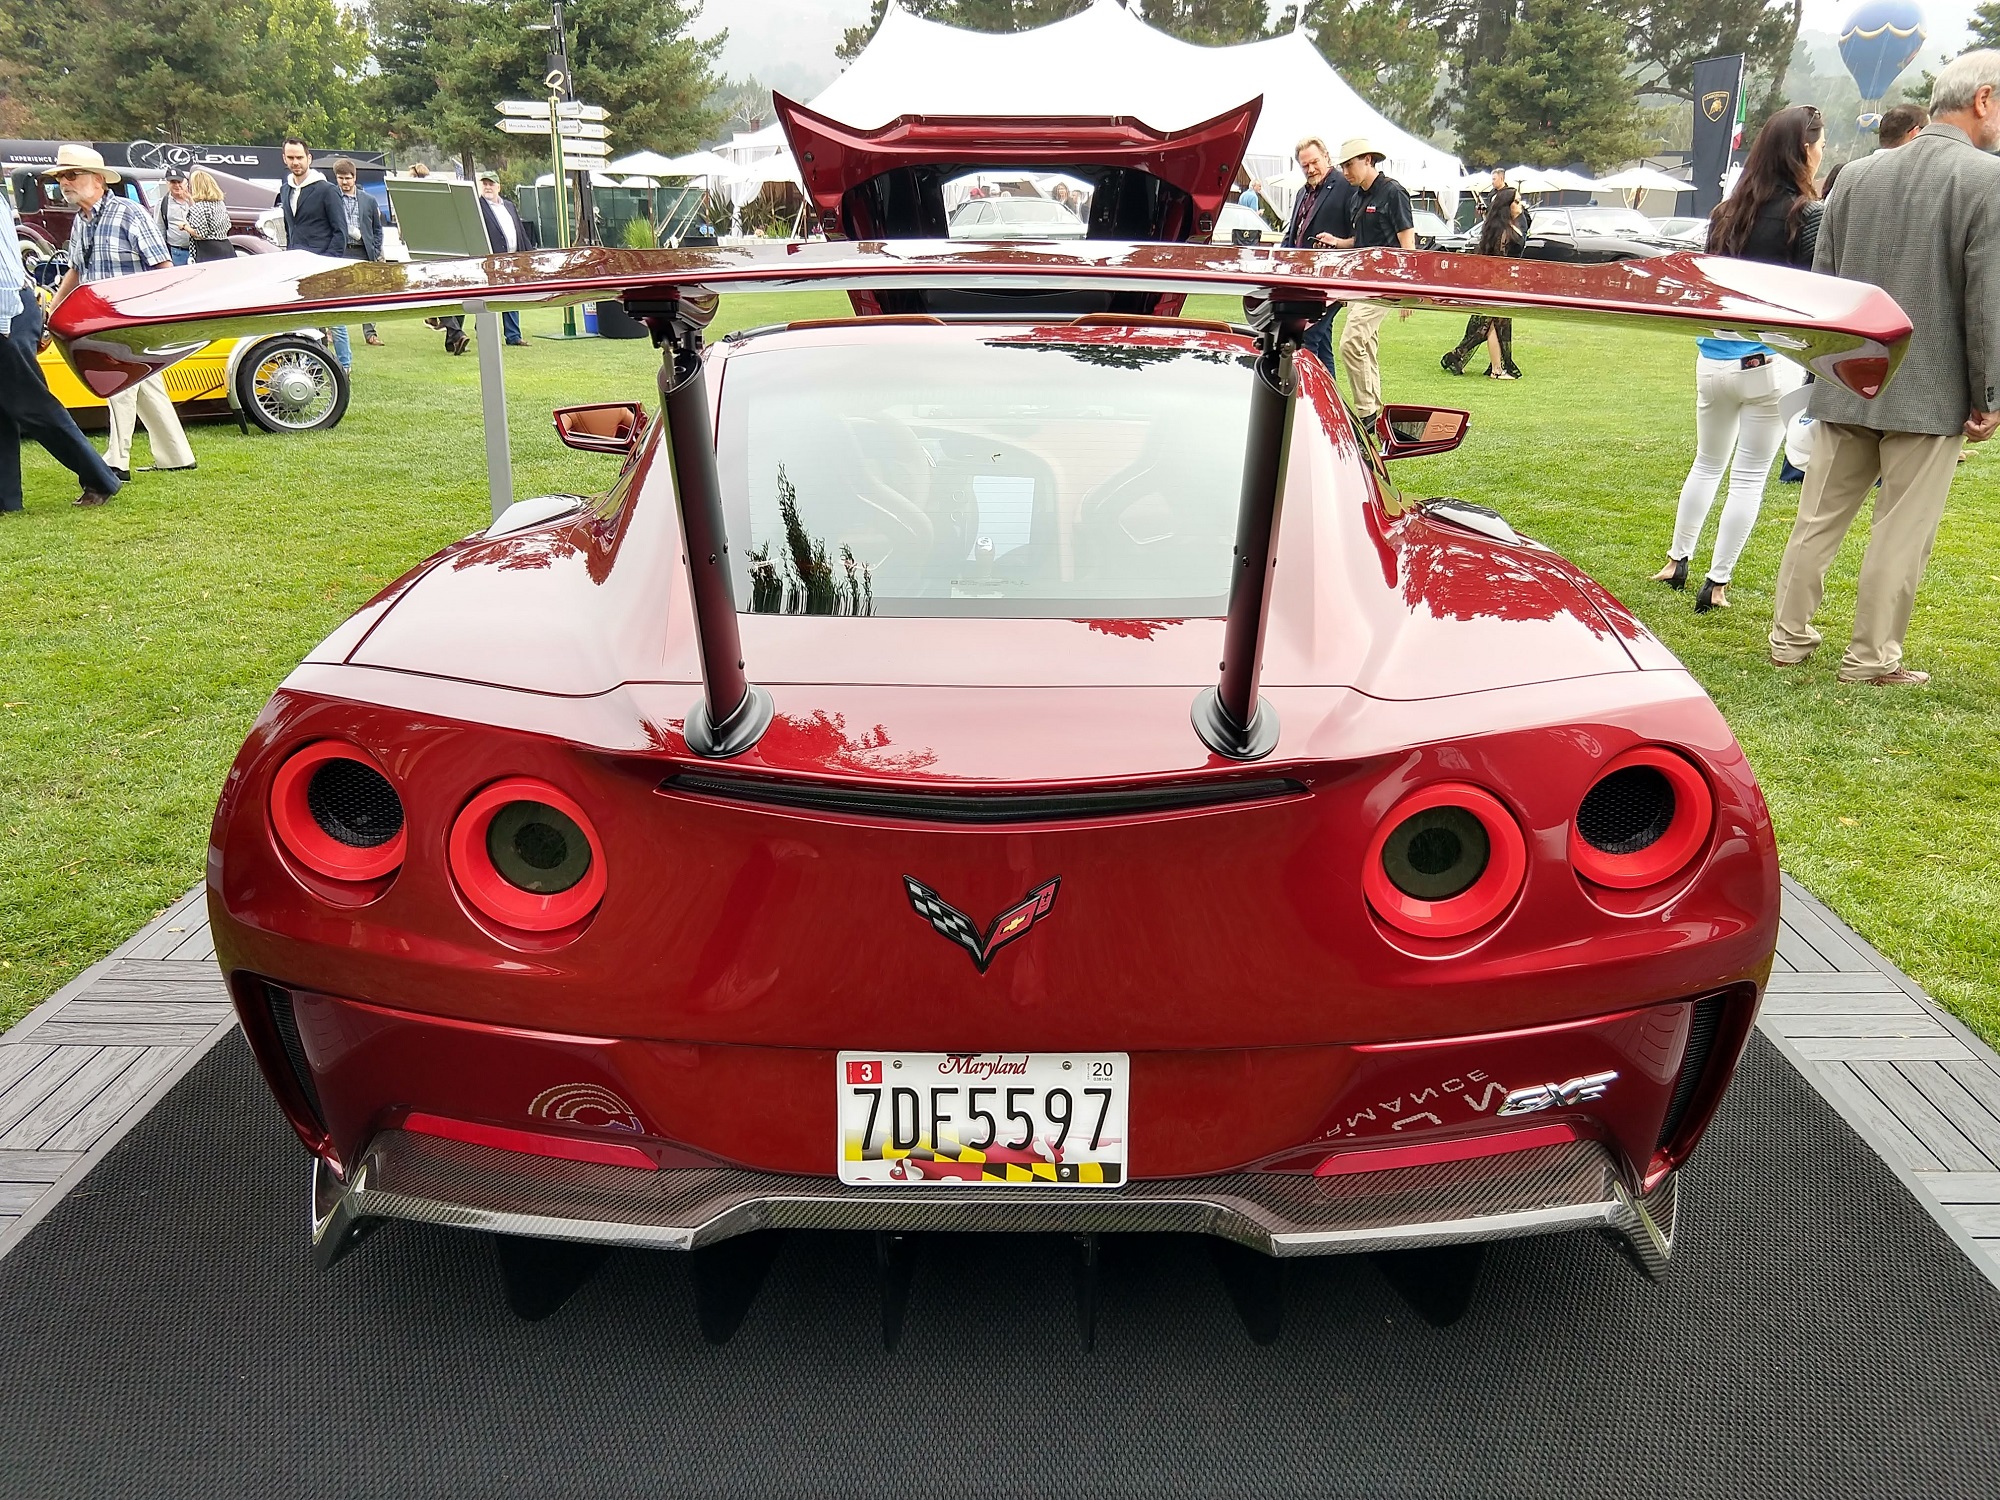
(986, 1118)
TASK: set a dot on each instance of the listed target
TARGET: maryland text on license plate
(995, 1118)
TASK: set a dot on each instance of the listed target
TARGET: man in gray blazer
(1923, 223)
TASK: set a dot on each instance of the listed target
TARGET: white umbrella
(1644, 180)
(693, 164)
(783, 167)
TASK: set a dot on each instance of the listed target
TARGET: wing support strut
(733, 712)
(1232, 719)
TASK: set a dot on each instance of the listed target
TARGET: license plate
(988, 1118)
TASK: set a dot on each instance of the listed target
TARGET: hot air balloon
(1878, 40)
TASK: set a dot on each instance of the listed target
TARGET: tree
(442, 65)
(1391, 47)
(1666, 38)
(971, 15)
(163, 70)
(1982, 27)
(1211, 23)
(313, 85)
(1559, 92)
(639, 60)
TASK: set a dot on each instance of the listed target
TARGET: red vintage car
(1031, 772)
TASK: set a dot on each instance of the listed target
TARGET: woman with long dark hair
(1499, 235)
(1773, 215)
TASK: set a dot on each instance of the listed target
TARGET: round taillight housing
(1447, 860)
(336, 813)
(526, 856)
(1642, 820)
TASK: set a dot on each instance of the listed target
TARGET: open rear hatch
(889, 183)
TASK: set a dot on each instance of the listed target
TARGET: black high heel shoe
(1678, 579)
(1705, 600)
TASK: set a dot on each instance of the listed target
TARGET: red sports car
(1027, 772)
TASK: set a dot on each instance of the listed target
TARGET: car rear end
(980, 935)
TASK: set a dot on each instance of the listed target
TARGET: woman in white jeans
(1739, 383)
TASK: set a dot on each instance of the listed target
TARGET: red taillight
(336, 813)
(1642, 820)
(1446, 861)
(526, 856)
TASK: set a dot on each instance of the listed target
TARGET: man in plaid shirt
(113, 236)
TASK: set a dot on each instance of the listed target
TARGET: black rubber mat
(162, 1333)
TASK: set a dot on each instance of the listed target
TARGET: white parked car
(1014, 219)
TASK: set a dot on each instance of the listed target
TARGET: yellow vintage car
(287, 383)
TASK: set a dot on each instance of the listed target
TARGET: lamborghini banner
(1718, 126)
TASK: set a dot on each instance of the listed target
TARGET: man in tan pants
(114, 236)
(1923, 223)
(1382, 219)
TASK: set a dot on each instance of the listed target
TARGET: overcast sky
(789, 44)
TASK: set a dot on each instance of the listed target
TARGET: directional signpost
(578, 142)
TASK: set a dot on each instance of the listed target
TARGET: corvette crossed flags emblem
(950, 922)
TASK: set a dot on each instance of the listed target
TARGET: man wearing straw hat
(1381, 217)
(113, 236)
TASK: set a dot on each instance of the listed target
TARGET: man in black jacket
(1323, 213)
(313, 218)
(505, 233)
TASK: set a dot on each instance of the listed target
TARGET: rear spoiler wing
(115, 333)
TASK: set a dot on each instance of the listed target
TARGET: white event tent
(1106, 61)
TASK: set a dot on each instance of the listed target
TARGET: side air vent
(980, 807)
(285, 1022)
(1707, 1020)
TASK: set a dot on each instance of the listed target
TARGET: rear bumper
(425, 1179)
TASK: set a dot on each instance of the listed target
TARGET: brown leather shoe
(1901, 677)
(91, 497)
(1800, 661)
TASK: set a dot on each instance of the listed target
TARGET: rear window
(1027, 474)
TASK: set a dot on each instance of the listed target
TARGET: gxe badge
(952, 923)
(1582, 1090)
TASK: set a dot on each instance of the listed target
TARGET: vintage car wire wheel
(1644, 818)
(1446, 860)
(526, 856)
(337, 814)
(292, 384)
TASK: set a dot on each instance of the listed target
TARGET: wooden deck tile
(1800, 954)
(1951, 1099)
(1895, 1003)
(1841, 954)
(82, 1130)
(1916, 1023)
(17, 1061)
(35, 1125)
(40, 1081)
(1982, 1220)
(35, 1166)
(85, 1033)
(1947, 1143)
(1893, 1134)
(1962, 1187)
(18, 1197)
(1872, 983)
(1882, 1049)
(119, 1011)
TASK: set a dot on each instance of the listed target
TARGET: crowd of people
(112, 235)
(1919, 217)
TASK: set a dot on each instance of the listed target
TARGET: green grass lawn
(141, 639)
